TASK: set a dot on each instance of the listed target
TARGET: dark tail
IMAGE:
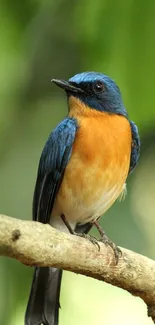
(43, 305)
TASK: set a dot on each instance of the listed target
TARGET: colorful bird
(82, 171)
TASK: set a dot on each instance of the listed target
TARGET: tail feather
(43, 305)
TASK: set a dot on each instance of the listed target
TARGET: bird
(82, 171)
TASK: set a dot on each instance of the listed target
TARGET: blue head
(95, 90)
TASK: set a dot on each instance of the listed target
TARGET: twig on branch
(36, 244)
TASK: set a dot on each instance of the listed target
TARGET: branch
(36, 244)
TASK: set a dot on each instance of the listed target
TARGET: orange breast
(98, 167)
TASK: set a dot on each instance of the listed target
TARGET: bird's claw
(92, 239)
(117, 251)
(104, 239)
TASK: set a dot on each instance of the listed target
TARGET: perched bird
(82, 171)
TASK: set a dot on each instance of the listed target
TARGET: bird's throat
(78, 108)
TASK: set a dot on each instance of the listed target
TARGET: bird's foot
(92, 239)
(108, 242)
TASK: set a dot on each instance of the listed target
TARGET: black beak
(68, 86)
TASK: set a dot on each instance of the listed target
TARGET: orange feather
(99, 164)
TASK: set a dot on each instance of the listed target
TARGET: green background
(41, 40)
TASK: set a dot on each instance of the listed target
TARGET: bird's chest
(97, 169)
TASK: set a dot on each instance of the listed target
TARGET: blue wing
(53, 161)
(135, 150)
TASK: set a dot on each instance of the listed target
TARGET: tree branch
(36, 244)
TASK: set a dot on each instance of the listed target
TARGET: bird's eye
(98, 87)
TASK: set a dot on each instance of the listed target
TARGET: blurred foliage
(45, 39)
